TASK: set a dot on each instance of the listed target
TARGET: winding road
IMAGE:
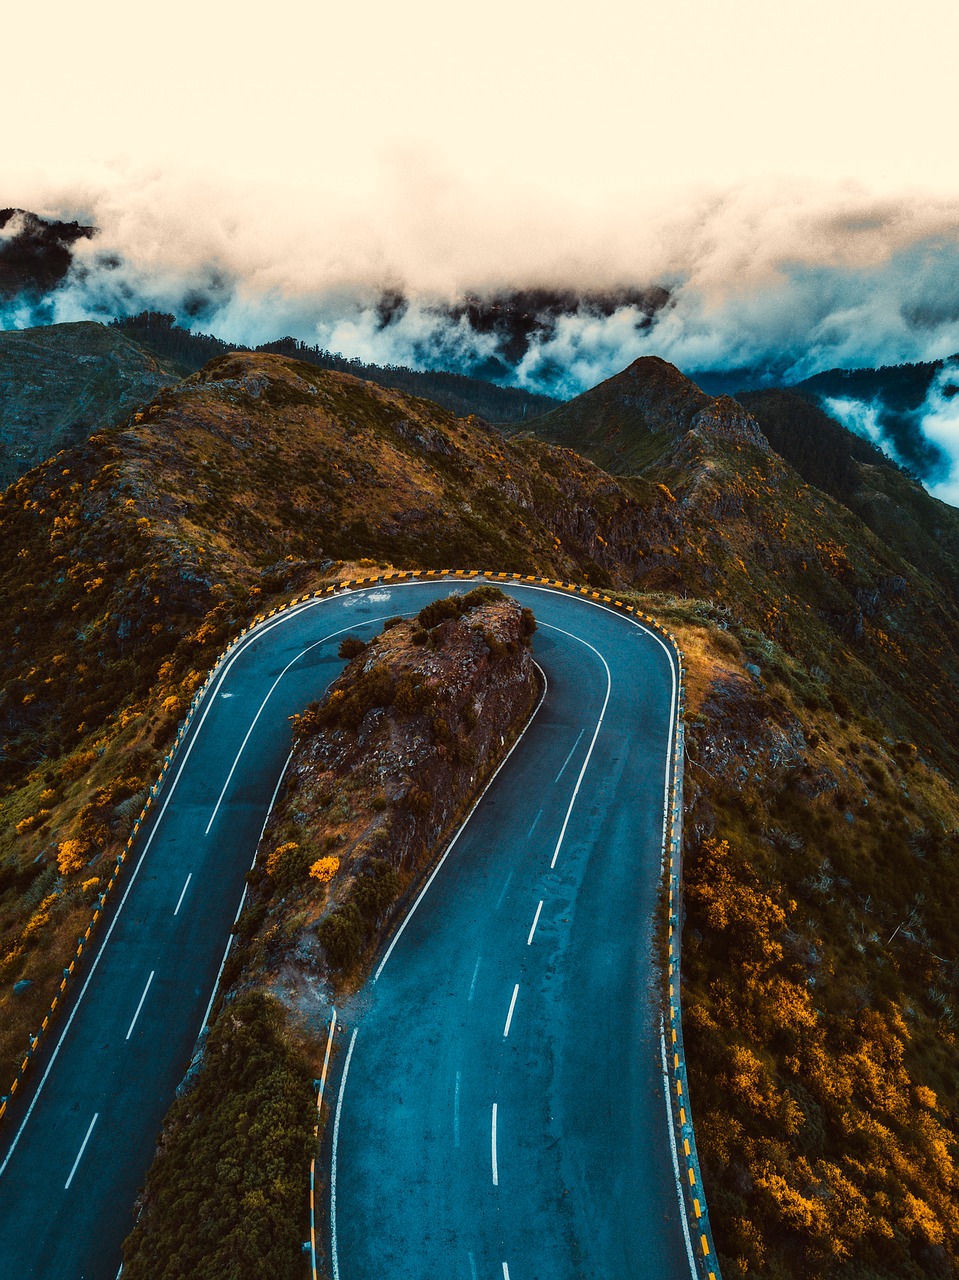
(500, 1111)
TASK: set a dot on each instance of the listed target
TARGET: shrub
(324, 869)
(375, 891)
(234, 1159)
(418, 802)
(341, 934)
(351, 647)
(72, 856)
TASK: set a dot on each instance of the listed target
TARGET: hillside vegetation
(819, 612)
(59, 383)
(133, 558)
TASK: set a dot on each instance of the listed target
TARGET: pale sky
(588, 102)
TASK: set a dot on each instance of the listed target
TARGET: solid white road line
(449, 848)
(334, 1257)
(182, 894)
(469, 998)
(83, 1147)
(319, 1104)
(190, 741)
(140, 1005)
(569, 757)
(456, 1111)
(672, 1149)
(493, 1148)
(535, 922)
(292, 663)
(239, 910)
(512, 1006)
(599, 725)
(326, 1061)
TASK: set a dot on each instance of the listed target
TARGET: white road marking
(469, 998)
(140, 1005)
(449, 848)
(672, 1150)
(326, 1061)
(502, 893)
(239, 910)
(182, 894)
(240, 648)
(535, 922)
(83, 1147)
(472, 1266)
(599, 725)
(493, 1148)
(512, 1006)
(533, 827)
(319, 1104)
(303, 652)
(334, 1257)
(456, 1111)
(505, 1272)
(569, 757)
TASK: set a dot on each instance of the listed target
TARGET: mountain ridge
(821, 838)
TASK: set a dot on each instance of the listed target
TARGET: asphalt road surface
(501, 1114)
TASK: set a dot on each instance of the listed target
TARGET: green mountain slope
(60, 383)
(894, 506)
(626, 422)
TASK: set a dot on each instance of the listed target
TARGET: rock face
(385, 767)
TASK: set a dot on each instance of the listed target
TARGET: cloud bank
(771, 280)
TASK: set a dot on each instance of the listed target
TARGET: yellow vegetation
(72, 856)
(324, 869)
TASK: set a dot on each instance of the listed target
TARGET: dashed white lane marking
(469, 998)
(493, 1148)
(569, 757)
(503, 891)
(191, 741)
(179, 903)
(533, 827)
(83, 1147)
(512, 1006)
(505, 1272)
(239, 910)
(535, 923)
(472, 1266)
(456, 1111)
(140, 1005)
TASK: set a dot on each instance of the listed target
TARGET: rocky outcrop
(384, 768)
